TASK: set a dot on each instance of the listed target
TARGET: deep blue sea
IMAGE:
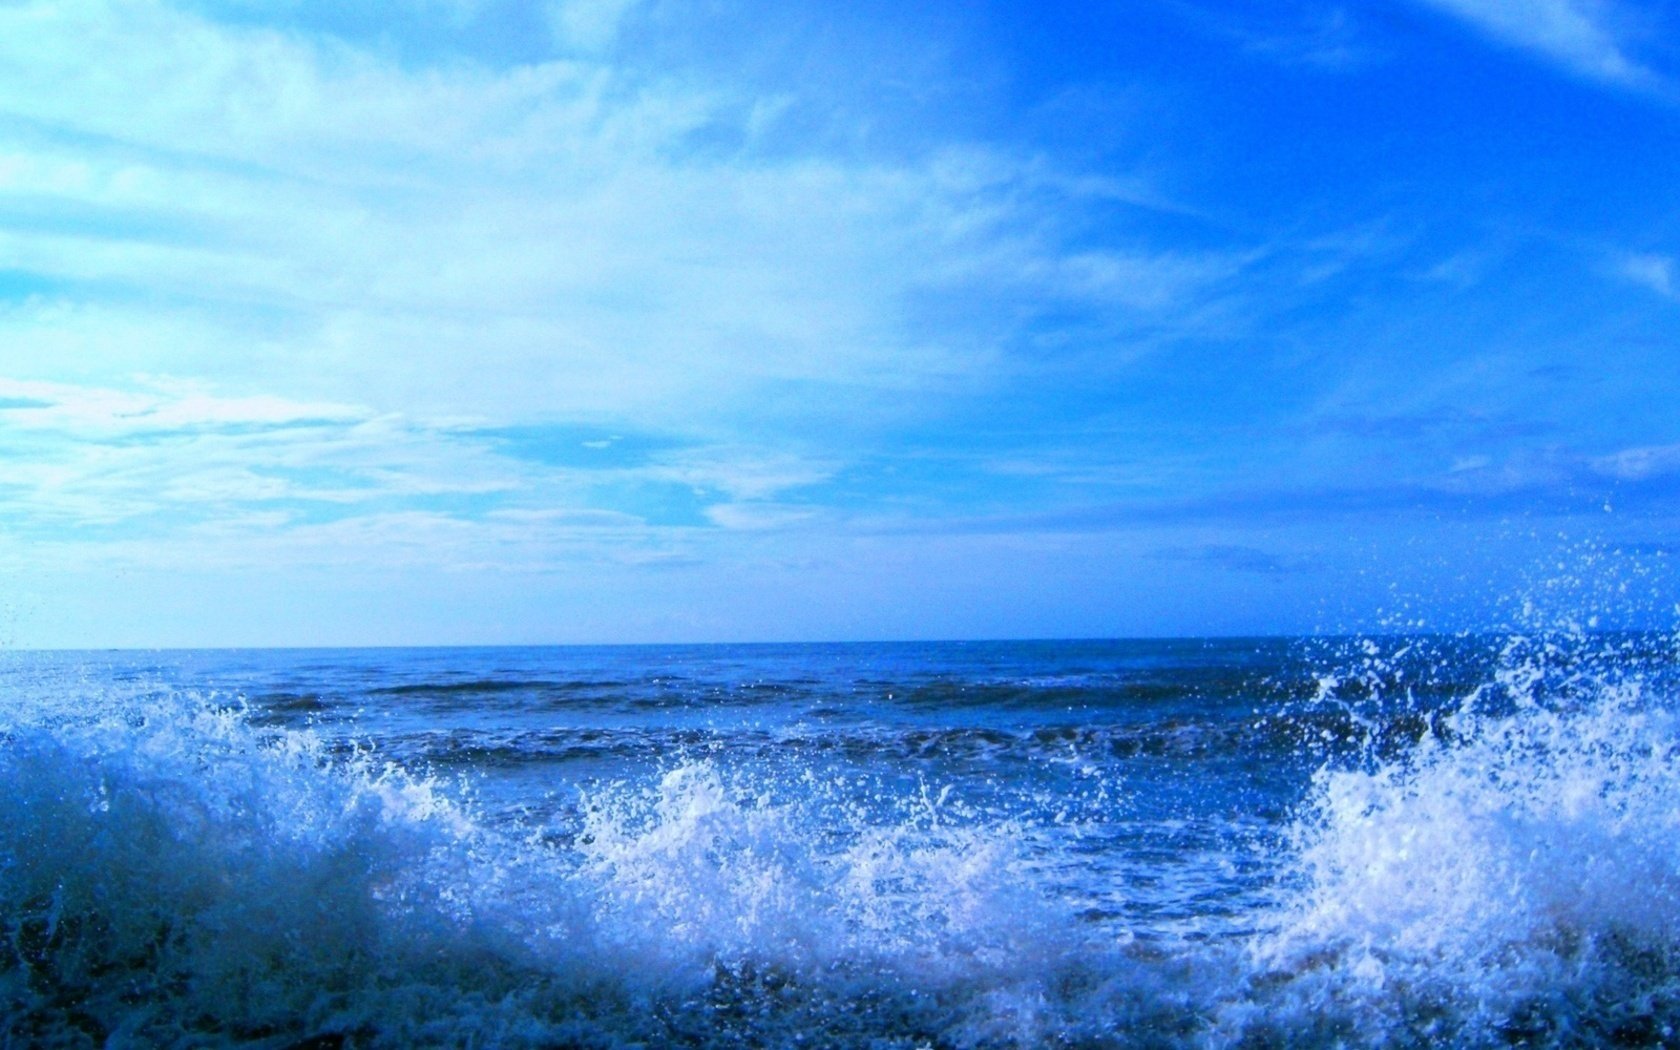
(1405, 840)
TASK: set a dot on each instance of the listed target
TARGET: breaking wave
(1503, 869)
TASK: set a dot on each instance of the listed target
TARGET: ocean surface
(1406, 840)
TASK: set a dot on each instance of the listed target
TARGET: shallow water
(1390, 841)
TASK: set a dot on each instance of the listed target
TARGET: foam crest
(1487, 854)
(1517, 874)
(172, 873)
(734, 869)
(167, 870)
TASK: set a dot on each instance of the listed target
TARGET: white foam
(171, 871)
(1521, 869)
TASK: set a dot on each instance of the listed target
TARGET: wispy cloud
(1590, 38)
(1462, 270)
(159, 457)
(546, 239)
(162, 405)
(168, 464)
(320, 282)
(1326, 37)
(1235, 558)
(596, 287)
(1640, 463)
(589, 25)
(1650, 270)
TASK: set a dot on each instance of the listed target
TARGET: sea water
(1406, 839)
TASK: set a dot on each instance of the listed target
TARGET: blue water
(1403, 840)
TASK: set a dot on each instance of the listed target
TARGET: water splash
(1515, 877)
(174, 873)
(1487, 852)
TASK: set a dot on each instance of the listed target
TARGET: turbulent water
(1404, 840)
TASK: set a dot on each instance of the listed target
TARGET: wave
(1502, 870)
(176, 875)
(1514, 878)
(491, 686)
(1305, 733)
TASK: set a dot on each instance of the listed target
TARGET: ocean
(1403, 840)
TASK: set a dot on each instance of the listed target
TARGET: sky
(475, 321)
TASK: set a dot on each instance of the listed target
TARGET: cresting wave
(1515, 879)
(1504, 870)
(174, 876)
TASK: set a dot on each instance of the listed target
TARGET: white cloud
(278, 280)
(755, 517)
(743, 473)
(299, 217)
(77, 457)
(167, 472)
(589, 25)
(195, 91)
(164, 404)
(1637, 464)
(1586, 37)
(1462, 270)
(1652, 271)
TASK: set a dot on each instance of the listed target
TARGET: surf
(1479, 844)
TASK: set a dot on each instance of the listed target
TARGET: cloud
(1527, 482)
(1327, 38)
(157, 457)
(1462, 270)
(1652, 271)
(1560, 476)
(278, 292)
(747, 475)
(1234, 558)
(589, 25)
(1586, 37)
(754, 517)
(1639, 463)
(163, 405)
(296, 214)
(166, 462)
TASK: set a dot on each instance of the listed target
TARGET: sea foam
(177, 871)
(171, 873)
(1514, 878)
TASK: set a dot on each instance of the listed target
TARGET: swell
(1300, 735)
(492, 686)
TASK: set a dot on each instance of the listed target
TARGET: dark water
(1404, 840)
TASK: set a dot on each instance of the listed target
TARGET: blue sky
(446, 321)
